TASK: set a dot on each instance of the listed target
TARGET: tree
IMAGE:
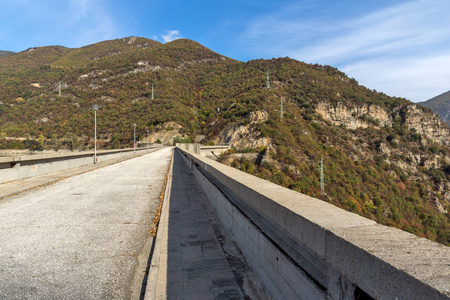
(71, 140)
(55, 142)
(41, 142)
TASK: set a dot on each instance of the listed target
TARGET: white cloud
(401, 50)
(403, 29)
(79, 9)
(411, 78)
(171, 35)
(89, 21)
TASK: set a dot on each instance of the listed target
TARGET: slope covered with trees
(384, 157)
(4, 53)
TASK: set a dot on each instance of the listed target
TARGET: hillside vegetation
(4, 53)
(384, 158)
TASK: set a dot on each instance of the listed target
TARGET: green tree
(41, 142)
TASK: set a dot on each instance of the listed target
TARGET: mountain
(440, 105)
(385, 158)
(5, 53)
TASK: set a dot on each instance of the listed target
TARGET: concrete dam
(71, 229)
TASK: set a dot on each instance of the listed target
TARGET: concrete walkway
(81, 237)
(17, 186)
(192, 257)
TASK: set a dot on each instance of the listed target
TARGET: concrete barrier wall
(305, 248)
(24, 152)
(22, 167)
(213, 151)
(204, 150)
(194, 148)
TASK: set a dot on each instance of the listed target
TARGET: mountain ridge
(5, 53)
(440, 105)
(385, 158)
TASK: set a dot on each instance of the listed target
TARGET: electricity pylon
(281, 109)
(322, 183)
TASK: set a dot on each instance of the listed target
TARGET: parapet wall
(27, 166)
(204, 150)
(304, 248)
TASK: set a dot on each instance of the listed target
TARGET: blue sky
(399, 47)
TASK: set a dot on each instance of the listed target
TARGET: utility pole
(322, 183)
(134, 139)
(95, 107)
(267, 80)
(153, 94)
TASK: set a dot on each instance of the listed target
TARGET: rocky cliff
(245, 135)
(413, 116)
(424, 122)
(354, 116)
(440, 105)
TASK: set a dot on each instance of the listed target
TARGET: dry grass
(159, 209)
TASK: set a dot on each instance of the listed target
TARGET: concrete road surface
(80, 238)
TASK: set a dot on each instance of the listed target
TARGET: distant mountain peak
(5, 53)
(440, 105)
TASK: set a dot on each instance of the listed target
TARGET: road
(80, 238)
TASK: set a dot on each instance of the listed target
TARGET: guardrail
(27, 166)
(304, 248)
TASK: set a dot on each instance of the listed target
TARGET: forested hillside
(385, 158)
(4, 53)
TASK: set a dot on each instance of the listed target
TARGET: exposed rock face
(241, 136)
(259, 116)
(169, 126)
(412, 117)
(108, 99)
(384, 149)
(439, 206)
(166, 132)
(130, 40)
(440, 105)
(363, 116)
(42, 120)
(95, 73)
(426, 123)
(245, 136)
(354, 117)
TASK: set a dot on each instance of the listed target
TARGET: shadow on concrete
(197, 265)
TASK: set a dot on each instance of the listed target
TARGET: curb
(156, 279)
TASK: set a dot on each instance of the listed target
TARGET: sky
(398, 47)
